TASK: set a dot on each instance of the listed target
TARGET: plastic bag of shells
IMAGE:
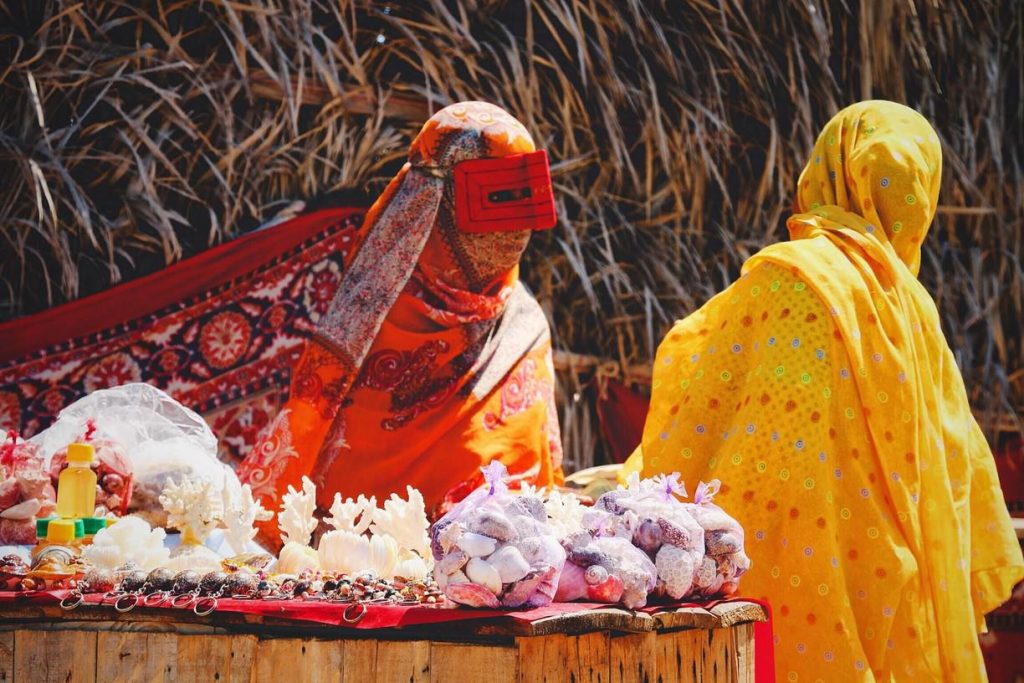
(725, 559)
(693, 549)
(495, 549)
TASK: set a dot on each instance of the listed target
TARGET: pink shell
(471, 595)
(572, 584)
(609, 591)
(545, 592)
(520, 591)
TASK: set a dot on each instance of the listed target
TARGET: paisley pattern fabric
(427, 329)
(820, 389)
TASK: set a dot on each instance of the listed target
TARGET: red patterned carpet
(219, 331)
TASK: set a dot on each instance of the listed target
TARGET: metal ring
(127, 607)
(201, 611)
(160, 598)
(354, 619)
(189, 599)
(78, 599)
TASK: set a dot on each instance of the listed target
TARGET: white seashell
(476, 545)
(482, 573)
(509, 563)
(129, 539)
(457, 577)
(383, 556)
(452, 562)
(26, 509)
(198, 558)
(296, 557)
(344, 551)
(413, 569)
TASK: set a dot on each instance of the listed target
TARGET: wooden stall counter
(42, 643)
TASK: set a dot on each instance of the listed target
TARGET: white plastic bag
(164, 440)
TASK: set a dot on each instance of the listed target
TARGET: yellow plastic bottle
(76, 486)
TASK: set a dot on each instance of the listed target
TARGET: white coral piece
(565, 513)
(405, 521)
(192, 505)
(241, 512)
(129, 539)
(297, 519)
(354, 516)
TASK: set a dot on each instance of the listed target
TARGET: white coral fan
(406, 522)
(297, 519)
(192, 506)
(129, 539)
(348, 548)
(241, 512)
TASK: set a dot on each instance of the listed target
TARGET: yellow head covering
(820, 390)
(880, 161)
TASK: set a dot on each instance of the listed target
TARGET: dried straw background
(133, 134)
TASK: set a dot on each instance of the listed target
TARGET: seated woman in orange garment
(433, 359)
(820, 390)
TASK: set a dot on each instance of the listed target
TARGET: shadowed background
(134, 134)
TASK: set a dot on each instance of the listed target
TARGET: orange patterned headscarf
(432, 359)
(820, 390)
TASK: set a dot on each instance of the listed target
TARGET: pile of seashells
(499, 549)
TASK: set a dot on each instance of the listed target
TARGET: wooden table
(42, 644)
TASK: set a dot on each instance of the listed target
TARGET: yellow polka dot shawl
(819, 388)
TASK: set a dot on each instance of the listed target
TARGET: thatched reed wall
(135, 133)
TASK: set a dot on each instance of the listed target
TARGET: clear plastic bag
(161, 439)
(496, 549)
(25, 491)
(725, 559)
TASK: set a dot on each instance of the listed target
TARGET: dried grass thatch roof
(134, 133)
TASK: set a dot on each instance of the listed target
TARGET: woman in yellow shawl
(820, 390)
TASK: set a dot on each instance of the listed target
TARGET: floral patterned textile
(227, 350)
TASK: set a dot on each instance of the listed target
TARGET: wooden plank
(220, 658)
(632, 658)
(686, 617)
(743, 647)
(731, 613)
(296, 659)
(406, 661)
(360, 662)
(457, 662)
(589, 658)
(543, 658)
(718, 663)
(678, 655)
(123, 656)
(55, 657)
(161, 658)
(6, 656)
(604, 619)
